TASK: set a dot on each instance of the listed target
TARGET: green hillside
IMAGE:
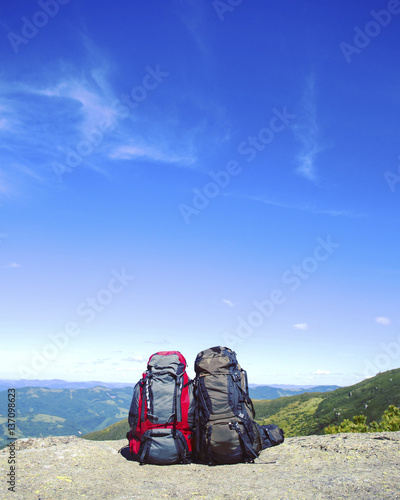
(113, 432)
(377, 393)
(60, 412)
(101, 414)
(294, 414)
(268, 392)
(309, 413)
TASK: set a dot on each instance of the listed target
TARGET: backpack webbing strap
(203, 397)
(244, 393)
(143, 456)
(208, 444)
(188, 383)
(196, 419)
(177, 403)
(245, 442)
(146, 399)
(181, 450)
(175, 408)
(143, 401)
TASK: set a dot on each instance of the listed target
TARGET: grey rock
(319, 467)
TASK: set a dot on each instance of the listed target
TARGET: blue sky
(178, 175)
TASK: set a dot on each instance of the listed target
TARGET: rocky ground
(319, 467)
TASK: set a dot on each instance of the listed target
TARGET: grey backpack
(161, 415)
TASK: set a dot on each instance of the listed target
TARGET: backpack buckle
(234, 426)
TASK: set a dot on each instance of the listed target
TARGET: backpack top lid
(215, 360)
(167, 361)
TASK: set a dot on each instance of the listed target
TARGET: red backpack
(161, 415)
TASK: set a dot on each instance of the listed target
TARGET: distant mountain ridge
(310, 412)
(61, 384)
(43, 412)
(59, 407)
(65, 384)
(61, 411)
(270, 392)
(285, 386)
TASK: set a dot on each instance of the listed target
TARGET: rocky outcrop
(319, 467)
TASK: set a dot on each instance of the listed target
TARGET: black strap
(181, 450)
(146, 399)
(188, 383)
(245, 442)
(175, 409)
(178, 443)
(202, 400)
(178, 409)
(143, 398)
(143, 455)
(198, 424)
(208, 445)
(244, 393)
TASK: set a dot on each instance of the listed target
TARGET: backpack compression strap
(244, 393)
(249, 453)
(176, 404)
(208, 445)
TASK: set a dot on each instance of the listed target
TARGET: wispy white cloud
(42, 122)
(130, 151)
(12, 265)
(28, 171)
(126, 369)
(159, 341)
(192, 15)
(92, 102)
(5, 188)
(306, 132)
(382, 320)
(338, 213)
(346, 354)
(321, 372)
(135, 359)
(304, 208)
(7, 116)
(4, 124)
(301, 326)
(228, 302)
(101, 361)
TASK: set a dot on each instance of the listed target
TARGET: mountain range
(46, 411)
(61, 384)
(65, 384)
(59, 407)
(274, 392)
(309, 413)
